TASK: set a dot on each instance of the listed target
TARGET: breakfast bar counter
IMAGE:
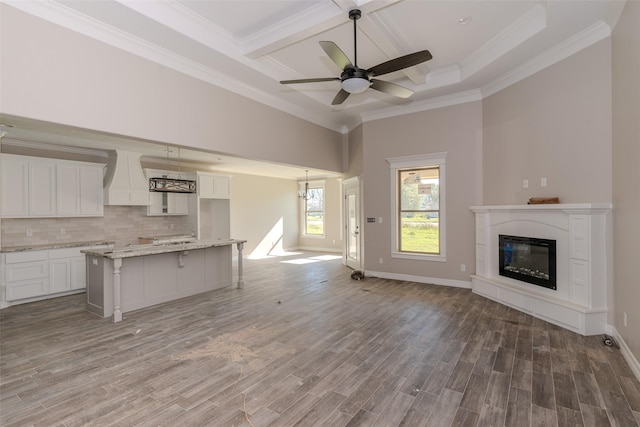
(134, 277)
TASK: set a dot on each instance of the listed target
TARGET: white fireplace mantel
(583, 256)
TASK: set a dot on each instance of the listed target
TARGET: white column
(240, 246)
(116, 316)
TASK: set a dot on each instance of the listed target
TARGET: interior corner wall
(264, 212)
(554, 124)
(626, 174)
(456, 130)
(55, 75)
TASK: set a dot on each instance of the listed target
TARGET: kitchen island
(135, 277)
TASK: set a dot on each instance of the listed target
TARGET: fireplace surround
(583, 251)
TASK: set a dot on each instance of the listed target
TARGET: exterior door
(352, 250)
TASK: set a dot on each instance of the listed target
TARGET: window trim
(418, 161)
(303, 209)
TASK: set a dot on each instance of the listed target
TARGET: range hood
(125, 183)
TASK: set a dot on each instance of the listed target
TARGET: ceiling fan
(355, 79)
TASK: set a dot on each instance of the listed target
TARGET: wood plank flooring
(305, 345)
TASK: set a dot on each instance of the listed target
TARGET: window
(313, 210)
(417, 217)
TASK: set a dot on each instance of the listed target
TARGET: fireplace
(579, 262)
(528, 259)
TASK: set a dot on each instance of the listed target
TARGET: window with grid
(419, 210)
(314, 211)
(417, 216)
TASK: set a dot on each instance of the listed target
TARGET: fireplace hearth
(569, 257)
(528, 259)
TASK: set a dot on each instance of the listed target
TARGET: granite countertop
(45, 246)
(142, 250)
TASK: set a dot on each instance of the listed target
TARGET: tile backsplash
(121, 224)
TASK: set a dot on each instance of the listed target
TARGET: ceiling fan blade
(333, 51)
(319, 79)
(391, 88)
(340, 97)
(400, 63)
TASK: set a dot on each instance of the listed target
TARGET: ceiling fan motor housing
(353, 72)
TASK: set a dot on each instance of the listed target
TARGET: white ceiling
(249, 46)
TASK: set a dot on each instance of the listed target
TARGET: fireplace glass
(528, 259)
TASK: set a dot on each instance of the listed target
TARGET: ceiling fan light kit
(354, 79)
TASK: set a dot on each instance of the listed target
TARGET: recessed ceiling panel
(243, 18)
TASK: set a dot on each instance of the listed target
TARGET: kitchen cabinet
(39, 187)
(32, 275)
(167, 203)
(14, 186)
(79, 190)
(27, 188)
(213, 186)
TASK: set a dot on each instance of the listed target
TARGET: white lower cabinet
(32, 275)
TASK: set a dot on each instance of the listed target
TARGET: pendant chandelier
(172, 185)
(306, 194)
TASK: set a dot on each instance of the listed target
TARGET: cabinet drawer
(27, 271)
(65, 253)
(28, 289)
(27, 256)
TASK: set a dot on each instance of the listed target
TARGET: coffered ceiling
(478, 47)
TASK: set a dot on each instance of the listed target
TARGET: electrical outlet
(543, 181)
(63, 231)
(29, 232)
(380, 219)
(525, 183)
(624, 315)
(380, 260)
(463, 267)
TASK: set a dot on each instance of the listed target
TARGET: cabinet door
(42, 188)
(206, 186)
(91, 192)
(179, 204)
(59, 276)
(14, 186)
(68, 189)
(156, 206)
(222, 187)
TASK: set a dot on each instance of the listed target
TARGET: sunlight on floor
(312, 259)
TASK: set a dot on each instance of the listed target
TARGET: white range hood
(125, 183)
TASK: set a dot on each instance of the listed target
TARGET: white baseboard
(626, 352)
(420, 279)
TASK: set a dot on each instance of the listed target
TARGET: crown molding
(591, 35)
(73, 21)
(54, 147)
(427, 104)
(517, 33)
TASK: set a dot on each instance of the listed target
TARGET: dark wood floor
(303, 344)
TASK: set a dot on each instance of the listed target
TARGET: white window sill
(419, 257)
(313, 236)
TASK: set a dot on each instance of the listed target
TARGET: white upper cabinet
(167, 203)
(14, 186)
(213, 186)
(38, 187)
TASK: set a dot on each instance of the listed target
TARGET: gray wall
(56, 75)
(554, 124)
(626, 174)
(456, 130)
